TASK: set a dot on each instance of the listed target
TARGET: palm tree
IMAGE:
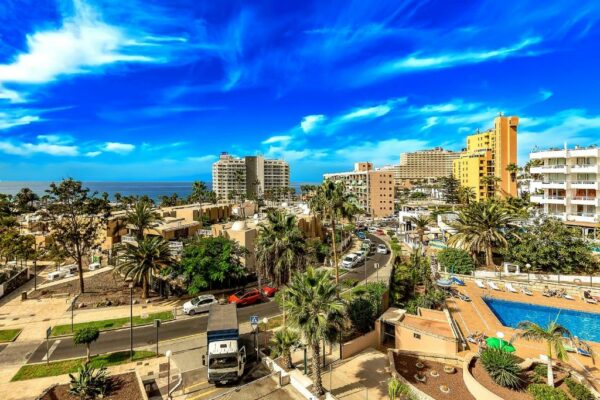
(200, 192)
(332, 202)
(490, 181)
(282, 343)
(481, 227)
(143, 259)
(315, 309)
(466, 194)
(420, 223)
(280, 247)
(513, 169)
(553, 334)
(142, 217)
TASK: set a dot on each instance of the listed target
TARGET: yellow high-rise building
(488, 154)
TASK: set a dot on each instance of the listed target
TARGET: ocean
(154, 190)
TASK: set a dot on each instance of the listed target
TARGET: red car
(269, 290)
(380, 232)
(245, 298)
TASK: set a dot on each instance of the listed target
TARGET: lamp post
(500, 336)
(528, 266)
(376, 266)
(73, 311)
(266, 322)
(131, 321)
(168, 353)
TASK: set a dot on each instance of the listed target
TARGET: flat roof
(437, 327)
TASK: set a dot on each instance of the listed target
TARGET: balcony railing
(554, 197)
(553, 183)
(584, 198)
(583, 182)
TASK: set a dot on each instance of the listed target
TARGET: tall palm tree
(315, 309)
(420, 223)
(482, 227)
(553, 334)
(490, 181)
(141, 217)
(513, 169)
(282, 343)
(200, 192)
(331, 201)
(141, 260)
(280, 247)
(466, 195)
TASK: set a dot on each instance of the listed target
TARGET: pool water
(584, 325)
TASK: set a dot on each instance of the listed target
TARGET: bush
(456, 261)
(540, 373)
(90, 383)
(545, 392)
(578, 391)
(502, 367)
(362, 314)
(349, 283)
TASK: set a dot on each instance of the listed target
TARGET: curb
(166, 321)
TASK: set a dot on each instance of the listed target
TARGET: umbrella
(497, 343)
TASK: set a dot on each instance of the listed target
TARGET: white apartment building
(250, 175)
(566, 184)
(423, 164)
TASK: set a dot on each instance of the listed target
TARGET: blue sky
(155, 89)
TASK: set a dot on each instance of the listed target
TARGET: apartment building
(250, 175)
(425, 164)
(374, 190)
(483, 164)
(566, 184)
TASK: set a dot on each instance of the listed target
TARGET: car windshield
(195, 301)
(223, 362)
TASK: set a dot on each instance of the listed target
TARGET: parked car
(199, 304)
(380, 232)
(269, 290)
(361, 235)
(362, 254)
(242, 298)
(350, 260)
(382, 249)
(372, 229)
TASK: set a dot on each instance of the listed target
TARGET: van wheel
(192, 313)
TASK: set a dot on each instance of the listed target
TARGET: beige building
(373, 189)
(425, 164)
(251, 176)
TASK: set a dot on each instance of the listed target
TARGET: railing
(583, 182)
(584, 198)
(553, 183)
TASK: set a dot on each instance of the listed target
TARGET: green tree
(315, 309)
(142, 217)
(553, 334)
(502, 367)
(282, 343)
(201, 193)
(90, 383)
(466, 194)
(449, 186)
(361, 313)
(482, 227)
(513, 169)
(75, 219)
(209, 260)
(25, 200)
(144, 259)
(420, 223)
(281, 247)
(456, 261)
(86, 336)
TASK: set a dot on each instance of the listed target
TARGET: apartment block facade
(425, 164)
(374, 190)
(483, 164)
(566, 184)
(250, 175)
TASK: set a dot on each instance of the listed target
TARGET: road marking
(52, 348)
(196, 385)
(202, 395)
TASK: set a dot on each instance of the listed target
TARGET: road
(118, 340)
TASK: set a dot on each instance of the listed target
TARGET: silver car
(199, 304)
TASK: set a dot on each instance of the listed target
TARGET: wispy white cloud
(381, 152)
(29, 149)
(9, 120)
(310, 122)
(545, 94)
(119, 148)
(93, 154)
(277, 139)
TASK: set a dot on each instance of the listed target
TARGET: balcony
(558, 215)
(549, 169)
(583, 217)
(540, 199)
(584, 168)
(585, 200)
(554, 185)
(585, 185)
(540, 155)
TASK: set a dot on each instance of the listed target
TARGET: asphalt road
(119, 340)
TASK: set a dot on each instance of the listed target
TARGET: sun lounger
(587, 297)
(526, 291)
(563, 293)
(493, 286)
(510, 288)
(583, 352)
(479, 283)
(459, 282)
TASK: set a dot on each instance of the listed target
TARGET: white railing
(584, 198)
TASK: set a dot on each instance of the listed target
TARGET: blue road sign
(254, 319)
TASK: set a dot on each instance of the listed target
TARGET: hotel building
(425, 164)
(566, 184)
(374, 190)
(251, 175)
(488, 154)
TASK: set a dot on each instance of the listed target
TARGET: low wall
(477, 389)
(359, 344)
(455, 361)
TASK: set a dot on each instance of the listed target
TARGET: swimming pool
(584, 325)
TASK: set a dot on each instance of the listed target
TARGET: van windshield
(223, 362)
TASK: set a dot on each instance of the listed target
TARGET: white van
(350, 260)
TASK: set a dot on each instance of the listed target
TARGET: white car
(350, 260)
(362, 254)
(199, 304)
(382, 249)
(372, 229)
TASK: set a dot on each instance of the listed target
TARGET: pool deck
(476, 316)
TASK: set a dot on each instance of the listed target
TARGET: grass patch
(274, 322)
(55, 368)
(112, 323)
(8, 335)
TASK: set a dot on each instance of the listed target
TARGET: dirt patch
(124, 387)
(102, 290)
(407, 367)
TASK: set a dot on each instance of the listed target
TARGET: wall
(406, 340)
(477, 390)
(359, 344)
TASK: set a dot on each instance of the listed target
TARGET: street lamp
(168, 353)
(131, 321)
(266, 322)
(528, 266)
(73, 310)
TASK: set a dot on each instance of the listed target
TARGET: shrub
(349, 283)
(399, 390)
(578, 391)
(362, 314)
(456, 261)
(540, 373)
(90, 383)
(502, 367)
(545, 392)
